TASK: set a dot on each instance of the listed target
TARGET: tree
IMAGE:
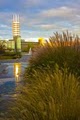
(2, 47)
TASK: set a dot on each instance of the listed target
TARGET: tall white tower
(16, 25)
(16, 33)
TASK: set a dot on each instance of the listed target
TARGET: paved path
(6, 98)
(24, 58)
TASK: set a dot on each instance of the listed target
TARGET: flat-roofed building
(11, 44)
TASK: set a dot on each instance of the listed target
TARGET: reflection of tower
(17, 71)
(16, 33)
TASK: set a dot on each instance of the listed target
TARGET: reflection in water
(17, 71)
(12, 70)
(10, 76)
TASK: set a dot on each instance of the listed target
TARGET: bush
(10, 54)
(61, 50)
(5, 57)
(51, 95)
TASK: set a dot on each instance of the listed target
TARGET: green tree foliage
(2, 47)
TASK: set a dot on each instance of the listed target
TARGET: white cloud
(30, 3)
(58, 12)
(33, 2)
(5, 26)
(46, 26)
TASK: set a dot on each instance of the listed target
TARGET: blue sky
(40, 18)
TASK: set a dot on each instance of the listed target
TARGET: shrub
(10, 53)
(52, 95)
(61, 50)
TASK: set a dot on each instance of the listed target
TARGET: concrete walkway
(24, 58)
(6, 98)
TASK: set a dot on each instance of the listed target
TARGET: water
(10, 74)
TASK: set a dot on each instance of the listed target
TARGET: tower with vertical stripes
(16, 33)
(16, 25)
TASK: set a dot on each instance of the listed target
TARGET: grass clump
(62, 49)
(54, 95)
